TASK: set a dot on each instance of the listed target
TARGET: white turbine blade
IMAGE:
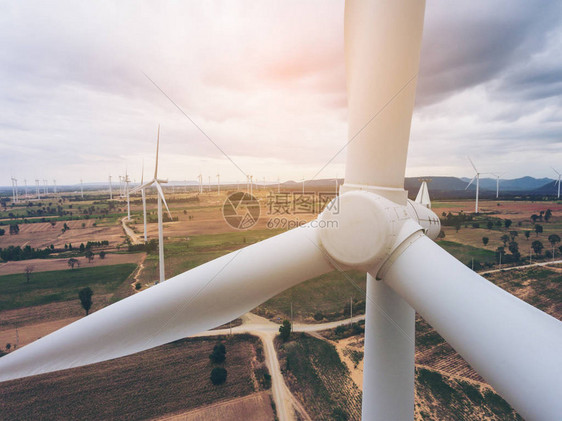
(157, 147)
(161, 193)
(382, 49)
(142, 186)
(555, 171)
(472, 163)
(512, 345)
(473, 178)
(195, 301)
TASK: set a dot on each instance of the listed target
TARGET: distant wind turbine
(557, 181)
(54, 186)
(15, 190)
(110, 192)
(82, 188)
(160, 194)
(218, 184)
(37, 188)
(477, 177)
(497, 184)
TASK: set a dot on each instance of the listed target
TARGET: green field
(60, 285)
(465, 253)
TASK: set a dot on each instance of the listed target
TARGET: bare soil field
(254, 407)
(170, 379)
(506, 209)
(43, 234)
(43, 265)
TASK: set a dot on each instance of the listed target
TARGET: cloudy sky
(265, 80)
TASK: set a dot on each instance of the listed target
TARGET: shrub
(219, 354)
(218, 375)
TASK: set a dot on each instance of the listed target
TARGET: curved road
(285, 401)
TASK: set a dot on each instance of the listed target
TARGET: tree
(485, 240)
(507, 223)
(82, 247)
(285, 330)
(218, 375)
(102, 254)
(527, 234)
(85, 296)
(538, 229)
(28, 270)
(505, 238)
(72, 262)
(490, 225)
(514, 249)
(554, 239)
(513, 234)
(441, 234)
(89, 255)
(534, 218)
(537, 246)
(547, 215)
(219, 354)
(8, 347)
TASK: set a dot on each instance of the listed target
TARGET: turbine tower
(25, 183)
(143, 195)
(200, 177)
(82, 188)
(46, 186)
(557, 181)
(54, 186)
(127, 180)
(157, 183)
(218, 184)
(14, 190)
(514, 346)
(497, 184)
(110, 192)
(477, 178)
(37, 188)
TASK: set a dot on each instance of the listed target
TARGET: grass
(465, 253)
(60, 285)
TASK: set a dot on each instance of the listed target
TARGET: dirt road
(135, 239)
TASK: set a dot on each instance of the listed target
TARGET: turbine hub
(360, 229)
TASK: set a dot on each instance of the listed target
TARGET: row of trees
(218, 356)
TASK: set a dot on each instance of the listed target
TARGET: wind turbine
(14, 190)
(143, 195)
(423, 194)
(46, 186)
(200, 177)
(497, 183)
(160, 194)
(557, 181)
(127, 181)
(218, 184)
(110, 192)
(37, 188)
(54, 186)
(25, 183)
(477, 178)
(512, 345)
(82, 188)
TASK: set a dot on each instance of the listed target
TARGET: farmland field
(59, 285)
(165, 380)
